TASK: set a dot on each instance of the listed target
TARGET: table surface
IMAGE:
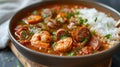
(8, 59)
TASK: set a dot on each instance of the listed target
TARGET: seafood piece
(45, 36)
(32, 19)
(63, 45)
(41, 39)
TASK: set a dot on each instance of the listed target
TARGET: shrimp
(33, 19)
(63, 45)
(45, 36)
(41, 39)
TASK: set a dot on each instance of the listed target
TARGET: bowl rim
(56, 56)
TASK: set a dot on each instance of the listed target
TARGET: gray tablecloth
(7, 9)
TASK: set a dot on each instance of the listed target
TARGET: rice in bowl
(103, 24)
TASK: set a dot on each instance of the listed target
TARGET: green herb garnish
(34, 12)
(108, 36)
(68, 15)
(71, 53)
(79, 48)
(24, 34)
(21, 22)
(77, 13)
(31, 32)
(82, 21)
(108, 25)
(84, 40)
(94, 51)
(95, 19)
(53, 44)
(53, 37)
(62, 36)
(85, 20)
(53, 32)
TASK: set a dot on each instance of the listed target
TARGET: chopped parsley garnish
(29, 18)
(24, 34)
(85, 20)
(68, 15)
(77, 13)
(71, 53)
(53, 44)
(94, 51)
(82, 21)
(84, 40)
(108, 36)
(95, 19)
(80, 47)
(21, 22)
(34, 12)
(108, 25)
(53, 32)
(53, 37)
(62, 36)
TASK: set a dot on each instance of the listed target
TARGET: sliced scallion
(53, 44)
(95, 19)
(108, 36)
(68, 15)
(71, 53)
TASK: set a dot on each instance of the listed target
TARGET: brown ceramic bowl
(62, 61)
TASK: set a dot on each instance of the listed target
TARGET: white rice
(104, 25)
